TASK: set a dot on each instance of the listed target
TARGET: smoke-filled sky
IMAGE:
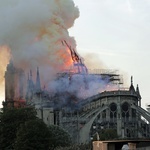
(31, 33)
(109, 34)
(117, 33)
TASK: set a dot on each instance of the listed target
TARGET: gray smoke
(34, 29)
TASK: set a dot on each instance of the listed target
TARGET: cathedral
(83, 117)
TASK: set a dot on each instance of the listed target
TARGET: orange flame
(64, 58)
(69, 61)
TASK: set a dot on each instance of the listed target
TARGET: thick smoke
(82, 86)
(71, 90)
(34, 29)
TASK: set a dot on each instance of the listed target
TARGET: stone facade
(119, 110)
(115, 109)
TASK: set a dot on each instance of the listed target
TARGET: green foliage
(108, 134)
(33, 135)
(58, 137)
(20, 129)
(10, 121)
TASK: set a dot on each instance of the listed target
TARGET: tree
(108, 134)
(58, 137)
(10, 121)
(21, 129)
(33, 135)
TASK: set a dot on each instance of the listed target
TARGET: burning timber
(68, 88)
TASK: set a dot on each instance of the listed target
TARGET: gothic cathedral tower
(14, 85)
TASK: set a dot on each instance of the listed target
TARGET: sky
(110, 34)
(115, 35)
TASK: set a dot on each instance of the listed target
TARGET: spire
(131, 80)
(131, 89)
(31, 81)
(28, 82)
(30, 86)
(138, 92)
(28, 77)
(38, 83)
(30, 74)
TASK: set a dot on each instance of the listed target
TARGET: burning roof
(40, 38)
